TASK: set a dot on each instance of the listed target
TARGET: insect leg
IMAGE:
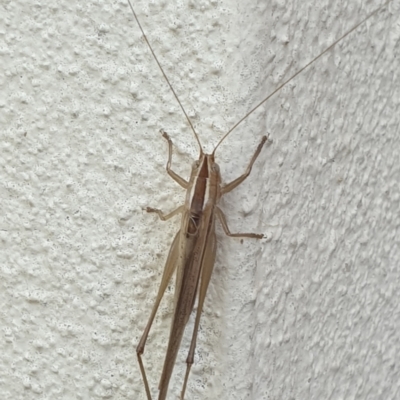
(206, 270)
(183, 182)
(232, 185)
(163, 216)
(169, 268)
(222, 218)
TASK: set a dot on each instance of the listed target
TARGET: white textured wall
(310, 313)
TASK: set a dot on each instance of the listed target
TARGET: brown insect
(193, 250)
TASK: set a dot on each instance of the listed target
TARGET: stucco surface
(309, 312)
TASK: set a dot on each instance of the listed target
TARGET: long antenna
(165, 76)
(300, 71)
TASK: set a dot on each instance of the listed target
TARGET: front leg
(230, 186)
(183, 182)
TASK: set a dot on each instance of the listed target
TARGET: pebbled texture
(310, 312)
